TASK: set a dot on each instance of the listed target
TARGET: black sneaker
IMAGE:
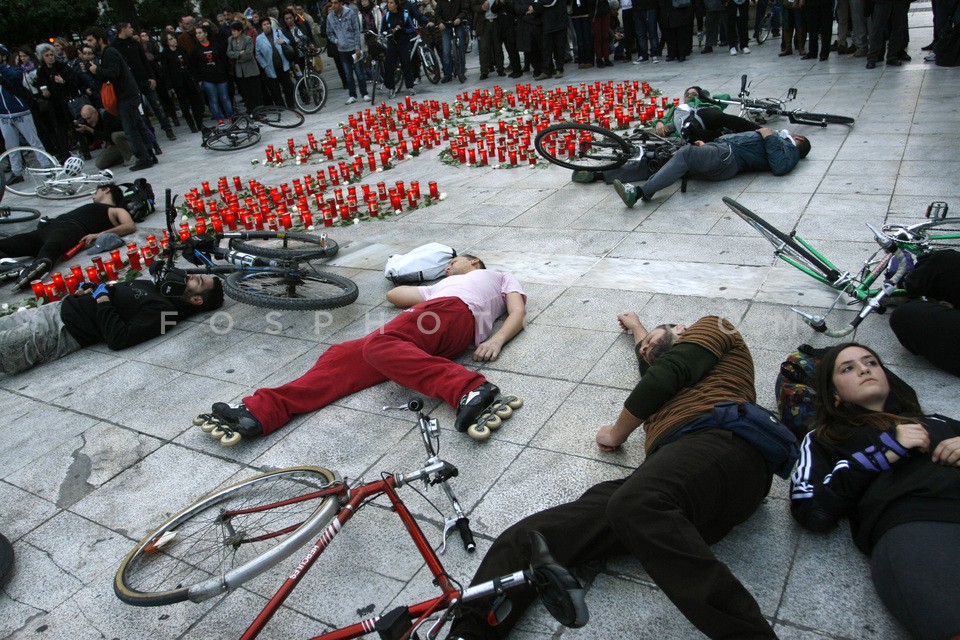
(15, 179)
(473, 404)
(238, 419)
(141, 164)
(36, 270)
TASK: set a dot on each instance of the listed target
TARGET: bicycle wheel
(583, 146)
(35, 166)
(290, 246)
(763, 31)
(227, 538)
(783, 244)
(430, 64)
(280, 117)
(310, 93)
(6, 559)
(298, 287)
(818, 119)
(12, 215)
(232, 138)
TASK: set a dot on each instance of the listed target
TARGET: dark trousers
(491, 48)
(715, 124)
(601, 38)
(583, 29)
(683, 498)
(132, 123)
(914, 568)
(250, 91)
(930, 330)
(399, 50)
(554, 48)
(819, 21)
(679, 40)
(191, 104)
(49, 242)
(889, 17)
(737, 32)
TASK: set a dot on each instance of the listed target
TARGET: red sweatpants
(413, 349)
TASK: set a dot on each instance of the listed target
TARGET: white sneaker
(745, 50)
(733, 51)
(350, 100)
(366, 97)
(930, 57)
(654, 59)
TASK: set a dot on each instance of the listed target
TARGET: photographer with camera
(102, 125)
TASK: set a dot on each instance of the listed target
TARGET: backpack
(138, 198)
(426, 262)
(796, 396)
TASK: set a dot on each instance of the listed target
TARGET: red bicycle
(225, 539)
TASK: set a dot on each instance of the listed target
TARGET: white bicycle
(45, 177)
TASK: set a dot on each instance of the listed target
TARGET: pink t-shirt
(484, 291)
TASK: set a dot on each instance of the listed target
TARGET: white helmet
(72, 167)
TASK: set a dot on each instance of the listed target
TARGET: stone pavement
(98, 447)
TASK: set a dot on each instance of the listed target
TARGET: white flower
(443, 195)
(356, 221)
(379, 169)
(20, 309)
(397, 212)
(183, 218)
(310, 228)
(255, 161)
(4, 307)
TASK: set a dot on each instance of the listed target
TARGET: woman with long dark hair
(894, 471)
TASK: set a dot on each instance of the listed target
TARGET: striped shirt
(730, 380)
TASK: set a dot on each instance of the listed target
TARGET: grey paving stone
(592, 309)
(21, 512)
(30, 436)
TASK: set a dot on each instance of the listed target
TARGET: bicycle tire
(763, 32)
(606, 150)
(299, 289)
(279, 117)
(13, 215)
(232, 138)
(204, 549)
(783, 243)
(37, 166)
(818, 119)
(431, 64)
(283, 245)
(310, 93)
(6, 559)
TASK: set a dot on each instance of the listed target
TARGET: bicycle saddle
(560, 592)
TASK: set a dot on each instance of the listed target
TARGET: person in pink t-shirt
(415, 350)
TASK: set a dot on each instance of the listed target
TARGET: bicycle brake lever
(885, 243)
(817, 323)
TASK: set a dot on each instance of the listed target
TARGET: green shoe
(627, 193)
(584, 176)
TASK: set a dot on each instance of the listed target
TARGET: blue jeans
(354, 74)
(217, 96)
(446, 37)
(648, 38)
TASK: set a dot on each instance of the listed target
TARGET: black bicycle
(762, 110)
(241, 133)
(310, 92)
(280, 117)
(271, 269)
(581, 146)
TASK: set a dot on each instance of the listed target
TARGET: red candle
(306, 219)
(327, 215)
(134, 258)
(151, 240)
(116, 260)
(77, 271)
(286, 221)
(382, 190)
(72, 282)
(110, 270)
(400, 187)
(237, 184)
(434, 189)
(395, 200)
(411, 199)
(201, 226)
(38, 290)
(92, 275)
(58, 282)
(415, 186)
(206, 189)
(50, 292)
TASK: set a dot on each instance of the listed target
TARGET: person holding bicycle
(699, 480)
(399, 20)
(415, 349)
(121, 315)
(451, 15)
(876, 458)
(722, 159)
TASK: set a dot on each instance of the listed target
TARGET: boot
(786, 44)
(190, 123)
(801, 41)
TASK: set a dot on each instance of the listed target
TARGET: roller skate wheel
(209, 425)
(230, 440)
(514, 402)
(503, 411)
(201, 419)
(479, 432)
(217, 432)
(490, 420)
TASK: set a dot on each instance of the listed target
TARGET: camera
(80, 122)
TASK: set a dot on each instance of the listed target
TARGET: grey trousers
(713, 161)
(119, 153)
(28, 338)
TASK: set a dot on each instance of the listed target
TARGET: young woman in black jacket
(895, 472)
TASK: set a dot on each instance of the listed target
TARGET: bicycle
(44, 176)
(270, 269)
(762, 110)
(227, 538)
(279, 117)
(427, 55)
(241, 133)
(376, 56)
(310, 92)
(881, 274)
(581, 146)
